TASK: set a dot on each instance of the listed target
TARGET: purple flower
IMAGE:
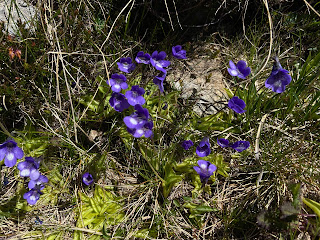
(10, 152)
(158, 80)
(38, 183)
(32, 196)
(240, 70)
(205, 170)
(134, 96)
(143, 58)
(186, 144)
(157, 60)
(138, 119)
(279, 77)
(37, 161)
(240, 145)
(203, 149)
(237, 105)
(126, 65)
(178, 52)
(29, 168)
(145, 130)
(223, 142)
(87, 179)
(118, 102)
(117, 82)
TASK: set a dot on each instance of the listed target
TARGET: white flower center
(10, 156)
(234, 72)
(203, 166)
(140, 131)
(158, 64)
(277, 83)
(135, 94)
(133, 121)
(25, 172)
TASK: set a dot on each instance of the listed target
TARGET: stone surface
(200, 77)
(12, 11)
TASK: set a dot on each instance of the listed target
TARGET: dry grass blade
(256, 148)
(309, 5)
(165, 2)
(271, 37)
(111, 29)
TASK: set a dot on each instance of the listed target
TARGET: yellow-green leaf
(315, 206)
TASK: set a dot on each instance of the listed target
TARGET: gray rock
(200, 77)
(13, 10)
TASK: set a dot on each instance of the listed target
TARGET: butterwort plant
(39, 182)
(87, 179)
(10, 152)
(158, 80)
(126, 65)
(138, 118)
(33, 195)
(223, 142)
(119, 102)
(29, 168)
(203, 149)
(205, 169)
(135, 95)
(145, 130)
(139, 123)
(186, 144)
(279, 77)
(239, 146)
(237, 105)
(239, 70)
(117, 82)
(143, 58)
(178, 52)
(157, 61)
